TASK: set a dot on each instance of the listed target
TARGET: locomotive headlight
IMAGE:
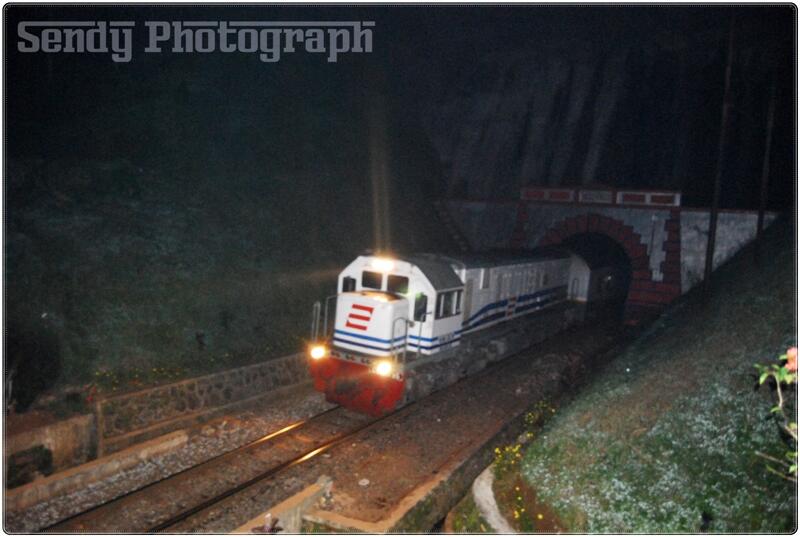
(384, 368)
(382, 264)
(318, 351)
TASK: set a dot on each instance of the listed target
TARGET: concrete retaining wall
(84, 475)
(70, 442)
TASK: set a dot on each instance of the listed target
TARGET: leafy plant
(784, 376)
(508, 457)
(506, 460)
(540, 412)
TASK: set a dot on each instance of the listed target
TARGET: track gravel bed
(157, 505)
(205, 442)
(375, 469)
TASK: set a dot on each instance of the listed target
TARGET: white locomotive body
(393, 315)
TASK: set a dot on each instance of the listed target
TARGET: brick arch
(624, 235)
(642, 302)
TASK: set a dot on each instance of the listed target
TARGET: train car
(394, 317)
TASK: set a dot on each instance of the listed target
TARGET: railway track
(172, 502)
(160, 505)
(235, 483)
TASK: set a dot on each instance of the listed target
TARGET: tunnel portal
(611, 271)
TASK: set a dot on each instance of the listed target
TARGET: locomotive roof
(438, 269)
(501, 257)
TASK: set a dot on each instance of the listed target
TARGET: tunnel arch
(570, 229)
(608, 286)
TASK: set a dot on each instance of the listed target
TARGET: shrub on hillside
(784, 377)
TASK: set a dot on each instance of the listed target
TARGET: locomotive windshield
(397, 284)
(348, 284)
(371, 280)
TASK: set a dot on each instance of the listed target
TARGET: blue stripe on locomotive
(556, 291)
(552, 295)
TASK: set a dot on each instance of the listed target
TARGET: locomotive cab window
(348, 284)
(484, 278)
(420, 307)
(448, 304)
(439, 301)
(397, 284)
(371, 280)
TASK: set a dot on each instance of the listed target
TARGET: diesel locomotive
(401, 327)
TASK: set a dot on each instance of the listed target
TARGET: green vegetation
(190, 232)
(519, 505)
(466, 518)
(666, 439)
(507, 458)
(515, 498)
(783, 376)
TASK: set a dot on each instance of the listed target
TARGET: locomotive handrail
(393, 347)
(315, 311)
(325, 321)
(419, 337)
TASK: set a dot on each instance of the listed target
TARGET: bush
(783, 377)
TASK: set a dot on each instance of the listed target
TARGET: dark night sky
(418, 51)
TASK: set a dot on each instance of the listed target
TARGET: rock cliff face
(187, 209)
(628, 103)
(188, 221)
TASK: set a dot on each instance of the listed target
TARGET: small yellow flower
(539, 516)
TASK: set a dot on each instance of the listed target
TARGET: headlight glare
(318, 352)
(384, 368)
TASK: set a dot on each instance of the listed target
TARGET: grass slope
(187, 223)
(664, 439)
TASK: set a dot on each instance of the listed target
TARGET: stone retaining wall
(126, 418)
(120, 421)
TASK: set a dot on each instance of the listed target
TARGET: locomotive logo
(359, 317)
(511, 306)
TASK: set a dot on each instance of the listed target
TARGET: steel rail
(208, 462)
(501, 364)
(266, 474)
(184, 515)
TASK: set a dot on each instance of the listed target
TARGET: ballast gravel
(205, 442)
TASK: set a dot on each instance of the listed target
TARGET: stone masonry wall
(122, 420)
(149, 409)
(666, 245)
(734, 230)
